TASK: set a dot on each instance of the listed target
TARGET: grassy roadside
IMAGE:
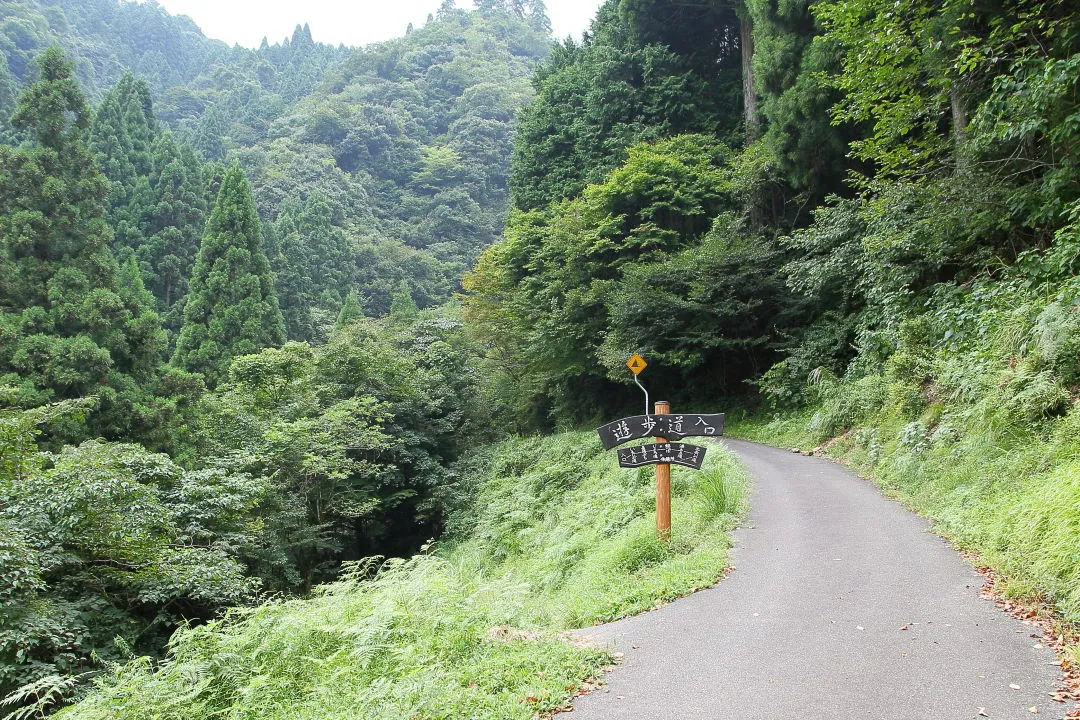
(554, 536)
(1009, 495)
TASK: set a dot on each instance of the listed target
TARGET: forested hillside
(395, 155)
(754, 212)
(224, 364)
(261, 311)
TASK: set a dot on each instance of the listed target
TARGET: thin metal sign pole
(663, 484)
(644, 391)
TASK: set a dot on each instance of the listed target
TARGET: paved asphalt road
(808, 625)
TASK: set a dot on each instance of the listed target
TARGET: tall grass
(559, 515)
(721, 491)
(554, 536)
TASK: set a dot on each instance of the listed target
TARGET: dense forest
(226, 358)
(261, 309)
(856, 176)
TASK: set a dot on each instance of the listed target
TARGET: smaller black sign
(670, 427)
(690, 456)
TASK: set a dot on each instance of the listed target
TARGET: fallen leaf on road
(1033, 710)
(904, 628)
(982, 712)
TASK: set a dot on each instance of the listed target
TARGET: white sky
(353, 22)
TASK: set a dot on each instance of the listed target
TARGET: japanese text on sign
(690, 456)
(672, 427)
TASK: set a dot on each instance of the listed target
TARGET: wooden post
(663, 485)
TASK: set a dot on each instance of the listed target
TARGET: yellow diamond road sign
(636, 364)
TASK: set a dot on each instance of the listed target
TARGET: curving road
(842, 605)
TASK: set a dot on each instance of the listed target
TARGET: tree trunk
(750, 109)
(960, 124)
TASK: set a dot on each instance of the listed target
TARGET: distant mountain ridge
(106, 38)
(406, 141)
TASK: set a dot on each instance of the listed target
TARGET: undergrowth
(555, 536)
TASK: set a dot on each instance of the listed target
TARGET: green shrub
(909, 369)
(1054, 342)
(1031, 397)
(845, 405)
(639, 550)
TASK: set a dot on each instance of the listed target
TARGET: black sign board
(690, 456)
(672, 427)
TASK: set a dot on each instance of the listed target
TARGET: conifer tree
(328, 251)
(403, 309)
(536, 11)
(71, 325)
(157, 199)
(352, 310)
(791, 62)
(121, 136)
(292, 275)
(173, 224)
(231, 309)
(311, 267)
(8, 97)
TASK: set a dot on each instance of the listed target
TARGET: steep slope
(398, 153)
(555, 536)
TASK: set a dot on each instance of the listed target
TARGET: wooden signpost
(663, 426)
(663, 484)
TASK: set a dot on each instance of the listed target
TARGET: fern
(37, 699)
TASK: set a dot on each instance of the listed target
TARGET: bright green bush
(720, 491)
